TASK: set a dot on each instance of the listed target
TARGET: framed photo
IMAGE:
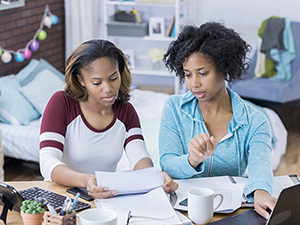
(156, 27)
(129, 54)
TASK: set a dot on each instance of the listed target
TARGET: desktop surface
(14, 217)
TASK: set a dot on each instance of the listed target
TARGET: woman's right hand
(98, 192)
(201, 147)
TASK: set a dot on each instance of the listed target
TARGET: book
(169, 30)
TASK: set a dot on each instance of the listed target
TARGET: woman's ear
(80, 80)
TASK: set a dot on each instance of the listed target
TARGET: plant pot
(32, 219)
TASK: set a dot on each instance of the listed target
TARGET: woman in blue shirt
(210, 130)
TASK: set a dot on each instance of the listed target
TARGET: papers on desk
(279, 183)
(150, 208)
(139, 181)
(231, 192)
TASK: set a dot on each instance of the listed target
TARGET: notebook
(286, 211)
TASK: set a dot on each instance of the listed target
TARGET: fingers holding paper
(201, 147)
(169, 185)
(99, 192)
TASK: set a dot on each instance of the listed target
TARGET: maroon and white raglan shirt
(67, 138)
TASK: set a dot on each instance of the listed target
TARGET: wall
(18, 26)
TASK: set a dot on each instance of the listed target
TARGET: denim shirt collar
(189, 106)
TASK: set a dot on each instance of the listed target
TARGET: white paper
(232, 193)
(153, 204)
(139, 181)
(279, 183)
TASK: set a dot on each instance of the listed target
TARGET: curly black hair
(214, 41)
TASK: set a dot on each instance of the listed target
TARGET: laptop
(286, 211)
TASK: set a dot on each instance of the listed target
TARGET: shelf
(142, 3)
(150, 71)
(168, 39)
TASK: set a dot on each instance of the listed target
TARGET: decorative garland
(25, 53)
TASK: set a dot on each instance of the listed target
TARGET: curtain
(81, 20)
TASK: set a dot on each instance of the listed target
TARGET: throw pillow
(41, 88)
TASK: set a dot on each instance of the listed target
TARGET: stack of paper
(150, 208)
(232, 193)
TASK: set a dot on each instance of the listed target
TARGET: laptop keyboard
(56, 200)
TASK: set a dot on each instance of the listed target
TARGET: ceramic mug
(97, 216)
(201, 204)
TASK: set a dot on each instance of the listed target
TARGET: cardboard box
(127, 29)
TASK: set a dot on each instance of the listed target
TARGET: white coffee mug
(97, 216)
(201, 204)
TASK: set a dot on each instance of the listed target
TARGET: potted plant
(32, 212)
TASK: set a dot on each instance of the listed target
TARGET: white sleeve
(49, 158)
(136, 148)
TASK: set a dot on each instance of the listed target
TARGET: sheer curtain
(81, 20)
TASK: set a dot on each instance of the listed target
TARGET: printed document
(139, 181)
(231, 192)
(152, 208)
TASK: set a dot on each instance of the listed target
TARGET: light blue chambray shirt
(247, 143)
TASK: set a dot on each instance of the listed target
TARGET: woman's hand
(98, 192)
(201, 147)
(263, 201)
(169, 185)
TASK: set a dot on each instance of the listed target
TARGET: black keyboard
(56, 200)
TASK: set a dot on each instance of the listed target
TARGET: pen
(51, 209)
(65, 205)
(75, 200)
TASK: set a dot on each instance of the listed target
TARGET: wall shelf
(178, 8)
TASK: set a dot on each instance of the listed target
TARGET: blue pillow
(43, 64)
(14, 103)
(25, 72)
(41, 88)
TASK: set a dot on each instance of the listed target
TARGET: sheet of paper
(232, 193)
(279, 183)
(139, 181)
(153, 204)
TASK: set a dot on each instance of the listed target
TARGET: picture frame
(156, 27)
(129, 54)
(10, 4)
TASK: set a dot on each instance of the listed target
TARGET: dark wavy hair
(214, 41)
(83, 56)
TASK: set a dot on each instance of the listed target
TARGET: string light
(48, 20)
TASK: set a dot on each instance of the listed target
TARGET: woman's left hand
(263, 201)
(169, 185)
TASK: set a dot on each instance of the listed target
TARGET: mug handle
(220, 201)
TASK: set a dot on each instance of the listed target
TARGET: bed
(35, 84)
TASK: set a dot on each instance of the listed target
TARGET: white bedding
(22, 142)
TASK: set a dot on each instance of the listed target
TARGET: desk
(14, 218)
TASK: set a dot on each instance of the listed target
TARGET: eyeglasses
(144, 217)
(128, 217)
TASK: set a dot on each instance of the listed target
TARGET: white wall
(245, 16)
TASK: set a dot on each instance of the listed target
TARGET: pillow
(8, 118)
(25, 72)
(41, 88)
(14, 105)
(43, 64)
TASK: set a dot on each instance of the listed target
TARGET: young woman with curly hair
(210, 130)
(85, 127)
